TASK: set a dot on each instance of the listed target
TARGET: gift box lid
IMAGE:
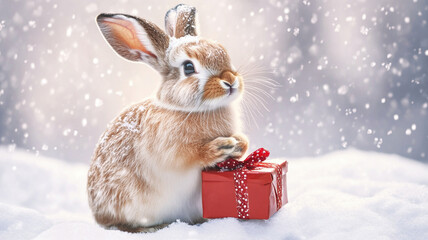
(259, 174)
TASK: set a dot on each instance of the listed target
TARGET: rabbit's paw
(241, 146)
(223, 146)
(218, 150)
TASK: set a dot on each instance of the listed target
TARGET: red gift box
(254, 190)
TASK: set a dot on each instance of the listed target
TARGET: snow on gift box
(249, 189)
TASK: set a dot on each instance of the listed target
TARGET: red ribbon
(241, 168)
(257, 156)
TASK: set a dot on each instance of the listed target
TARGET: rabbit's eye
(188, 67)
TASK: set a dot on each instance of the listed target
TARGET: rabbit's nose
(225, 84)
(228, 76)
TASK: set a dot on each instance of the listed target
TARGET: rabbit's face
(200, 76)
(197, 73)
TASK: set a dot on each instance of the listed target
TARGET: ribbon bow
(257, 156)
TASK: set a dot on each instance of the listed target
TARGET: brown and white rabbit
(146, 169)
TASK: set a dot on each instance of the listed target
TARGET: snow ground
(348, 194)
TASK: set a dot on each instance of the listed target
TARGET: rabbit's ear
(133, 38)
(182, 20)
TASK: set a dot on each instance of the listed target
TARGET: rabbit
(146, 168)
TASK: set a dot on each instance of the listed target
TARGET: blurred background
(353, 74)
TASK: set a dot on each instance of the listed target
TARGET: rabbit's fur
(147, 165)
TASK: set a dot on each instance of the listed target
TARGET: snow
(21, 223)
(348, 194)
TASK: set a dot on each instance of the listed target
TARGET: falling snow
(98, 102)
(353, 70)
